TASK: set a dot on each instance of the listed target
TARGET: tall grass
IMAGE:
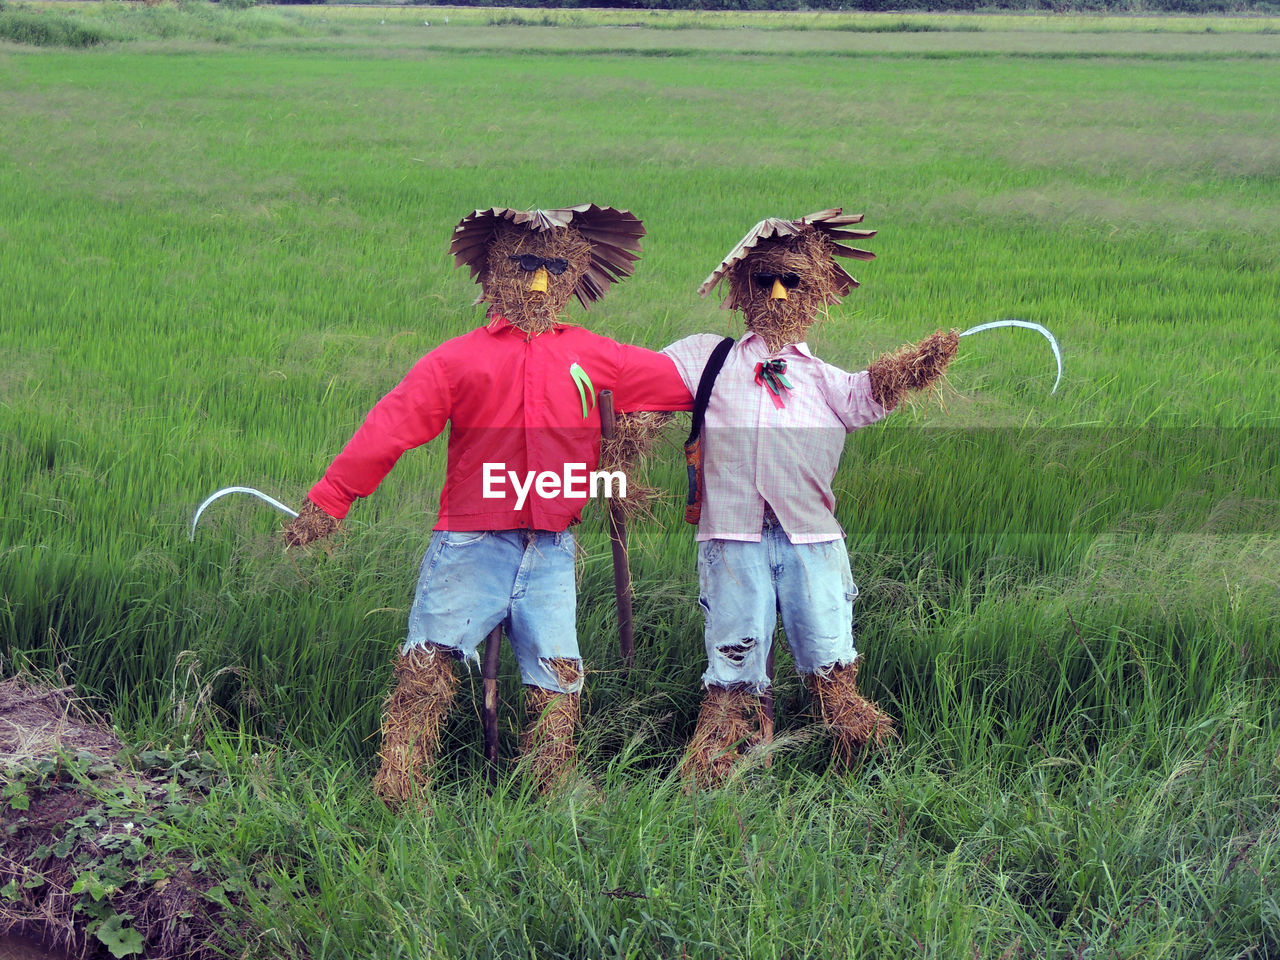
(85, 25)
(1069, 600)
(22, 26)
(1133, 846)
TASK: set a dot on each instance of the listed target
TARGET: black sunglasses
(789, 280)
(531, 262)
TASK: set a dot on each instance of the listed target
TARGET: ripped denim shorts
(745, 585)
(471, 582)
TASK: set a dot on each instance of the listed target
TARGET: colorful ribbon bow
(772, 375)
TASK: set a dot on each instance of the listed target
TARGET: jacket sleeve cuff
(329, 499)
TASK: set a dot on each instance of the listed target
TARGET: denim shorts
(471, 582)
(745, 585)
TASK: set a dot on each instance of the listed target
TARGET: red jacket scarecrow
(519, 396)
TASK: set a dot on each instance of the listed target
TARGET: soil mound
(38, 721)
(80, 816)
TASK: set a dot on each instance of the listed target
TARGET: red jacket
(511, 400)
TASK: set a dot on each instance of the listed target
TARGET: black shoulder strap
(706, 383)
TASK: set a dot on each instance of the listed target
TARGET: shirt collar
(499, 324)
(802, 347)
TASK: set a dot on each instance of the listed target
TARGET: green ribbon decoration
(772, 375)
(583, 383)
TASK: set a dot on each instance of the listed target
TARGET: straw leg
(724, 727)
(853, 720)
(411, 718)
(549, 743)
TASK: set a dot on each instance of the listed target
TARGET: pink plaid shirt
(755, 452)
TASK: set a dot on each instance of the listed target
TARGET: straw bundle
(724, 729)
(854, 720)
(635, 434)
(309, 525)
(913, 367)
(411, 718)
(548, 742)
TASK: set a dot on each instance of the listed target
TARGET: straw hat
(614, 236)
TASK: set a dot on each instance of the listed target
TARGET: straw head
(833, 224)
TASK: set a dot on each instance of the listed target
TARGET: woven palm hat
(833, 223)
(614, 236)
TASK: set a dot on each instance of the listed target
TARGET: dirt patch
(81, 869)
(19, 948)
(40, 721)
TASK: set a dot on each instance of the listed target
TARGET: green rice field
(223, 236)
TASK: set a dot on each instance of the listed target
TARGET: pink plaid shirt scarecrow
(773, 439)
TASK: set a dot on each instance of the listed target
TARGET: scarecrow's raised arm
(913, 367)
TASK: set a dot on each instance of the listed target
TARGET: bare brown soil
(73, 806)
(39, 721)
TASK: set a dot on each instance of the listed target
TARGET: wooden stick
(618, 535)
(489, 713)
(766, 708)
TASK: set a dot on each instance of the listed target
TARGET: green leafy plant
(121, 940)
(14, 793)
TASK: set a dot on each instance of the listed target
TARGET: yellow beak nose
(779, 292)
(539, 282)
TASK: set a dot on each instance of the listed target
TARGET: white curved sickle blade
(1057, 353)
(249, 490)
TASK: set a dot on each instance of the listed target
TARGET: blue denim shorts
(744, 586)
(471, 582)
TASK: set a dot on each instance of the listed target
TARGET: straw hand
(913, 367)
(308, 526)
